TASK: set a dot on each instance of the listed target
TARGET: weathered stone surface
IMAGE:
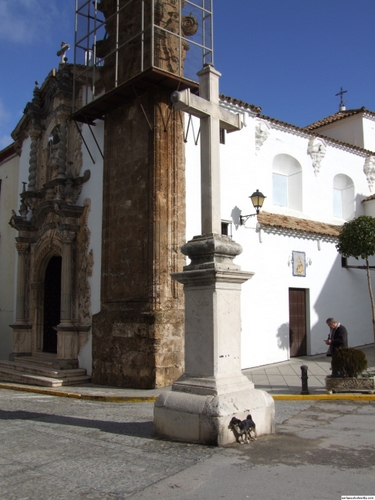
(348, 384)
(52, 224)
(138, 335)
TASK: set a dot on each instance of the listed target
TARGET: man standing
(338, 335)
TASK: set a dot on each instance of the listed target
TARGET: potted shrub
(348, 364)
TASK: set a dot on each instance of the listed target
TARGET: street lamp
(257, 199)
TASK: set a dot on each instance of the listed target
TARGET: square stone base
(204, 419)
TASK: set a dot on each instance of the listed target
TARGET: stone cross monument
(213, 389)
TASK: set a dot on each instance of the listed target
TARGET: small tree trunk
(371, 297)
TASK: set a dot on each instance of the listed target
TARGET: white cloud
(24, 21)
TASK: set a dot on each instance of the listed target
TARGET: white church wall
(16, 171)
(349, 130)
(92, 191)
(330, 289)
(9, 200)
(369, 133)
(369, 208)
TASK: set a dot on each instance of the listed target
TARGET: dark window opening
(222, 136)
(226, 227)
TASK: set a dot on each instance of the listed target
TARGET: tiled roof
(336, 117)
(7, 152)
(242, 104)
(369, 198)
(306, 130)
(296, 224)
(297, 129)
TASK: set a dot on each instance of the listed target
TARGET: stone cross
(213, 117)
(213, 388)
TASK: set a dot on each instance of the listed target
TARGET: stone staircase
(40, 371)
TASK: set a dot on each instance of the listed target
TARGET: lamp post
(257, 199)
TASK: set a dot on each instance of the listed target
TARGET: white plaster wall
(9, 200)
(348, 130)
(332, 290)
(93, 191)
(369, 208)
(12, 173)
(369, 133)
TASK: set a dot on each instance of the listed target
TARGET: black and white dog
(243, 429)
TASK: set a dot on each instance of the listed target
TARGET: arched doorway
(52, 304)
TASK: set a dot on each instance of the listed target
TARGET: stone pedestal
(213, 389)
(22, 340)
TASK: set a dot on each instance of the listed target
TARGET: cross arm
(202, 108)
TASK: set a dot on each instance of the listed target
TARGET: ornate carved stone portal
(52, 228)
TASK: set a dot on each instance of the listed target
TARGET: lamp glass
(257, 199)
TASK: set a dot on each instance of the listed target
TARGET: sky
(290, 57)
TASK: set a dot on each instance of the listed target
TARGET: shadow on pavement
(137, 429)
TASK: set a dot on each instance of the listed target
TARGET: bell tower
(130, 55)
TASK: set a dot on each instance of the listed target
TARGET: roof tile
(296, 224)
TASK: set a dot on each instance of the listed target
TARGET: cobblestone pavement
(63, 449)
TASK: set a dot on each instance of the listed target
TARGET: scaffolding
(121, 46)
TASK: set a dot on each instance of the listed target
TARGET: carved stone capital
(22, 247)
(67, 237)
(215, 251)
(317, 149)
(369, 171)
(262, 132)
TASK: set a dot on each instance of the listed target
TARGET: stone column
(22, 339)
(34, 136)
(67, 333)
(22, 249)
(67, 238)
(61, 156)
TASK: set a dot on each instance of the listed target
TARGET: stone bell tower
(129, 61)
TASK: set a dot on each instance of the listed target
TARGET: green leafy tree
(357, 239)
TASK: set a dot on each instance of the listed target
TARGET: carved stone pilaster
(22, 249)
(22, 338)
(369, 171)
(262, 132)
(317, 150)
(61, 158)
(67, 238)
(34, 135)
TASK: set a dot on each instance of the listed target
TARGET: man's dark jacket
(339, 338)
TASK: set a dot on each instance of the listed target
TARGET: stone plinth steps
(40, 371)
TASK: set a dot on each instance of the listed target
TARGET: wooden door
(297, 322)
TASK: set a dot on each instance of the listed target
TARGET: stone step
(42, 370)
(7, 375)
(46, 361)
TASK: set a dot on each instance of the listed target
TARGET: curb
(152, 399)
(77, 395)
(324, 397)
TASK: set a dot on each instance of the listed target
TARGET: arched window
(287, 182)
(343, 197)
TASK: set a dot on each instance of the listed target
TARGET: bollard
(304, 377)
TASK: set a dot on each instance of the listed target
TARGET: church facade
(102, 205)
(314, 180)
